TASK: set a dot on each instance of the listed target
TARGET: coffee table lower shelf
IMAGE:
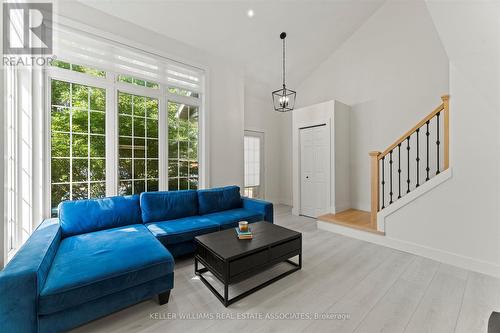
(224, 299)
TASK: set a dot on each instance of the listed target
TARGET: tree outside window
(78, 148)
(182, 146)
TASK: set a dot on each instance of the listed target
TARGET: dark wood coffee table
(232, 260)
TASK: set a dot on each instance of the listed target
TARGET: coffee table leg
(226, 294)
(195, 265)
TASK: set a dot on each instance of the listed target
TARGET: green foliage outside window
(78, 147)
(79, 68)
(183, 92)
(138, 144)
(182, 146)
(78, 139)
(138, 82)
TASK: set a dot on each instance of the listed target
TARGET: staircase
(427, 155)
(398, 172)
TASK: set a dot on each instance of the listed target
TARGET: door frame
(316, 114)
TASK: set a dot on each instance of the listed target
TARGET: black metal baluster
(390, 164)
(437, 142)
(399, 169)
(408, 155)
(383, 182)
(427, 134)
(418, 160)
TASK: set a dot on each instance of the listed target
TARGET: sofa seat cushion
(93, 265)
(230, 218)
(182, 230)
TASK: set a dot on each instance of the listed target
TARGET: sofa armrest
(261, 206)
(24, 276)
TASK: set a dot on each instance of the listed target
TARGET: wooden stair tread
(352, 218)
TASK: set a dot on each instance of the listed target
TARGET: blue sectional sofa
(103, 255)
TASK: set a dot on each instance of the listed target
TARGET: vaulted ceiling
(315, 29)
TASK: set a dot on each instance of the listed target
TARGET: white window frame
(112, 87)
(129, 88)
(11, 205)
(261, 136)
(189, 102)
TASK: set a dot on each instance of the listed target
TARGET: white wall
(225, 88)
(392, 72)
(286, 158)
(226, 121)
(342, 151)
(260, 116)
(462, 215)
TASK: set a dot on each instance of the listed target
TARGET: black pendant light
(284, 99)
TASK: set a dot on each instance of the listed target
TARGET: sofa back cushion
(171, 205)
(219, 199)
(83, 216)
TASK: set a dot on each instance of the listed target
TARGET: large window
(96, 123)
(182, 146)
(78, 150)
(113, 134)
(138, 143)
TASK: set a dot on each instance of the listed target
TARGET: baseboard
(464, 262)
(340, 208)
(413, 195)
(274, 201)
(285, 201)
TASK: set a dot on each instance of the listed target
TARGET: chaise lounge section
(103, 255)
(79, 267)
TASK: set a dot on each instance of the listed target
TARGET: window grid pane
(182, 146)
(183, 92)
(77, 142)
(138, 82)
(252, 161)
(78, 68)
(138, 144)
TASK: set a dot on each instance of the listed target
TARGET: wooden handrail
(376, 156)
(421, 123)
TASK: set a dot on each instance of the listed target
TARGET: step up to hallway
(352, 218)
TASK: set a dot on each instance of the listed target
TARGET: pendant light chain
(284, 62)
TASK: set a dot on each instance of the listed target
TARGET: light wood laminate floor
(380, 289)
(352, 218)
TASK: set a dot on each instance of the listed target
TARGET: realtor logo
(27, 28)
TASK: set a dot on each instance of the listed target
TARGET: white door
(314, 171)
